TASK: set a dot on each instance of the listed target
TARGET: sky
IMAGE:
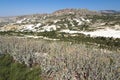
(24, 7)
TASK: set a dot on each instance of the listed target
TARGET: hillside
(69, 21)
(68, 44)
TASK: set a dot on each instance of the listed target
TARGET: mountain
(81, 12)
(64, 18)
(67, 20)
(110, 12)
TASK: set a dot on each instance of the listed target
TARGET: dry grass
(63, 60)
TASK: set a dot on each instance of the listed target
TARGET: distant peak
(110, 11)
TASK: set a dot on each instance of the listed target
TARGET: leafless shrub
(62, 60)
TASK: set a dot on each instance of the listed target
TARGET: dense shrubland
(64, 60)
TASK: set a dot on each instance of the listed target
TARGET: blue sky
(21, 7)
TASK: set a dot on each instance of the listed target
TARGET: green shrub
(10, 70)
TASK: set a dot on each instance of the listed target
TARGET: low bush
(11, 70)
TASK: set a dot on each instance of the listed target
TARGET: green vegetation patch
(11, 70)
